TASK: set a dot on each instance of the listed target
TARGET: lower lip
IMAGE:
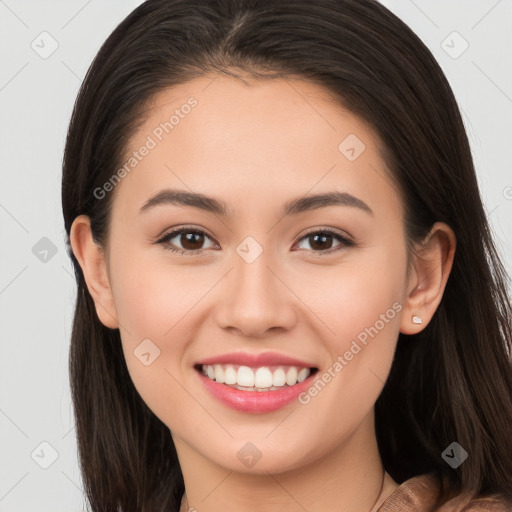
(254, 401)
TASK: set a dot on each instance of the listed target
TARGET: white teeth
(279, 377)
(219, 373)
(302, 375)
(291, 376)
(255, 379)
(229, 375)
(245, 376)
(263, 378)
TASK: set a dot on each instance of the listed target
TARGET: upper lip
(255, 360)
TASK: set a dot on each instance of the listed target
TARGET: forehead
(250, 140)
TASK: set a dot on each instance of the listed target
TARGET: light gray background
(37, 297)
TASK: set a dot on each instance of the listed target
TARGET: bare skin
(256, 147)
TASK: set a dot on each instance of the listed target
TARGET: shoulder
(487, 503)
(420, 494)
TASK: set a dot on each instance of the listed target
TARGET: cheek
(152, 303)
(362, 291)
(151, 297)
(148, 305)
(359, 305)
(359, 311)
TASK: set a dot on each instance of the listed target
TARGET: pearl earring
(416, 320)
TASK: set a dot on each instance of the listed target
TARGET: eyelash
(346, 242)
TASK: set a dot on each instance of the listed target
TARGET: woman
(288, 296)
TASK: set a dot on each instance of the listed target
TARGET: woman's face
(265, 278)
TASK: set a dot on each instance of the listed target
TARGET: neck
(350, 478)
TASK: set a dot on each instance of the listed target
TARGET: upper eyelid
(327, 230)
(185, 229)
(175, 232)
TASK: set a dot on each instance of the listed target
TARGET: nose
(255, 300)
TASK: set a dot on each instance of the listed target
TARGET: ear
(92, 260)
(432, 264)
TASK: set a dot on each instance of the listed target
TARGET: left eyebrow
(315, 201)
(210, 204)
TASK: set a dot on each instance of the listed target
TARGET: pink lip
(254, 401)
(256, 360)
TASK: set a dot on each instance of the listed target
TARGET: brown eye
(191, 240)
(319, 241)
(322, 241)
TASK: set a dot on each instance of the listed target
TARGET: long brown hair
(451, 382)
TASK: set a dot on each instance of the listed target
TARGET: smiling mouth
(262, 378)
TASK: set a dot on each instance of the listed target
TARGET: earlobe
(91, 259)
(432, 266)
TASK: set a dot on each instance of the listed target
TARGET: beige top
(418, 494)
